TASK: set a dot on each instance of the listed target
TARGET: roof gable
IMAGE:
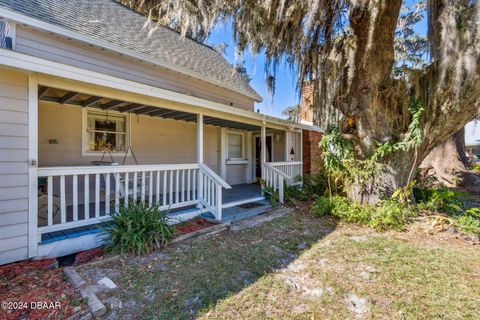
(113, 23)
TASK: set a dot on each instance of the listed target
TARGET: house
(97, 110)
(472, 140)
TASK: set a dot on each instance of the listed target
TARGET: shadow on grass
(186, 279)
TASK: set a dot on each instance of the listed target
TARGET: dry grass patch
(298, 267)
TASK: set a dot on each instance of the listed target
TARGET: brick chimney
(311, 151)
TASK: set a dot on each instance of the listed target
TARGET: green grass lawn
(299, 267)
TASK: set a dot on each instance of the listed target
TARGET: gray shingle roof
(109, 21)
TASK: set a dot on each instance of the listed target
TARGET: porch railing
(80, 196)
(211, 190)
(276, 174)
(293, 169)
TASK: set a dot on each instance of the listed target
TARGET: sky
(285, 93)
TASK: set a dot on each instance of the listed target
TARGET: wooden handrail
(206, 170)
(268, 164)
(284, 163)
(58, 171)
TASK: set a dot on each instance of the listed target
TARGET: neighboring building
(472, 140)
(310, 138)
(95, 111)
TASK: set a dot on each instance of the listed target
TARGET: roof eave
(30, 63)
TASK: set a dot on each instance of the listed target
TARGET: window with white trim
(106, 131)
(236, 146)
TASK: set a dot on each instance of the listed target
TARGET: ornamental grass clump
(138, 229)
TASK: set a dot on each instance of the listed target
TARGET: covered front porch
(97, 153)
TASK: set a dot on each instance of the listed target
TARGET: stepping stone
(106, 282)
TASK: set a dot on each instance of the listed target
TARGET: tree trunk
(397, 171)
(447, 161)
(449, 164)
(354, 62)
(375, 106)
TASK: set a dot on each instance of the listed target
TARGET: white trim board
(35, 23)
(32, 165)
(243, 145)
(240, 202)
(47, 67)
(128, 135)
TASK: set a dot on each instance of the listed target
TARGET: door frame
(254, 152)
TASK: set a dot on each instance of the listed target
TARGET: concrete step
(241, 202)
(242, 211)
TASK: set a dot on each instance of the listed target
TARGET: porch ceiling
(84, 100)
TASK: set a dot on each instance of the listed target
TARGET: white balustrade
(293, 169)
(279, 173)
(79, 196)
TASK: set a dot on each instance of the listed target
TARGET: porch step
(241, 202)
(242, 211)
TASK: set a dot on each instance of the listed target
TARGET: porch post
(32, 168)
(263, 149)
(200, 138)
(287, 145)
(223, 153)
(301, 154)
(300, 146)
(248, 155)
(200, 159)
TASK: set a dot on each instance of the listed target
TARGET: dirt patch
(88, 255)
(37, 290)
(434, 231)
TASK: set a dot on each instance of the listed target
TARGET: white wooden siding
(154, 140)
(236, 174)
(13, 166)
(57, 49)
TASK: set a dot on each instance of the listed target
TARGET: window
(7, 34)
(105, 131)
(235, 145)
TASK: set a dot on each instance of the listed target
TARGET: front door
(258, 154)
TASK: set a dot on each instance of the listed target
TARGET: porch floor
(241, 192)
(237, 193)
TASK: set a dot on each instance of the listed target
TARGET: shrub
(321, 207)
(469, 221)
(440, 200)
(293, 194)
(138, 229)
(473, 212)
(469, 224)
(314, 184)
(349, 211)
(476, 168)
(387, 214)
(270, 193)
(390, 214)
